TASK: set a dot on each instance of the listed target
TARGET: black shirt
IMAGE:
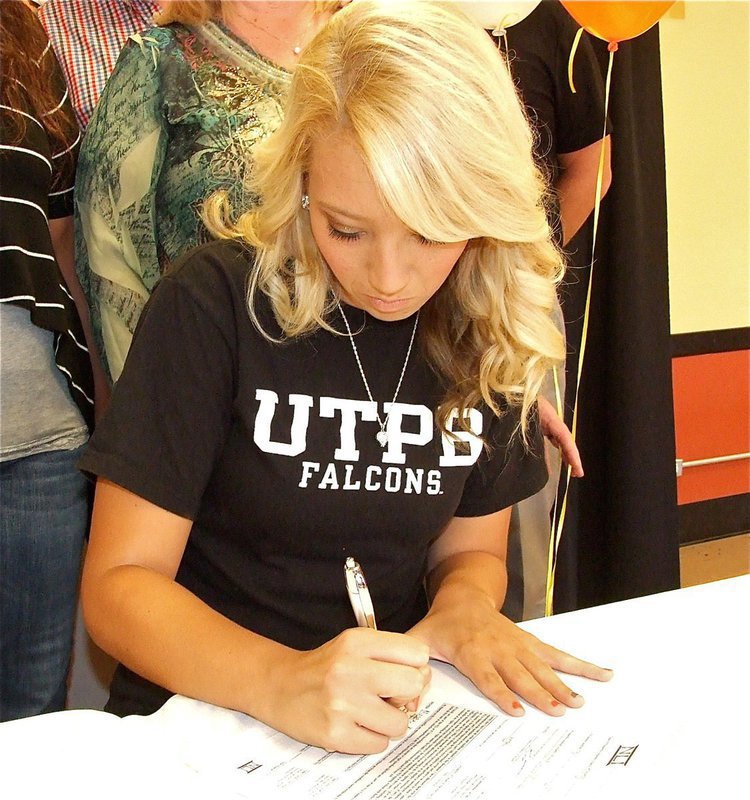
(538, 49)
(265, 447)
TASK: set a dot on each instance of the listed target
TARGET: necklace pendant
(382, 438)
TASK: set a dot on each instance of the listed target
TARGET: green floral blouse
(178, 119)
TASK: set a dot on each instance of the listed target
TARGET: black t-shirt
(267, 447)
(539, 49)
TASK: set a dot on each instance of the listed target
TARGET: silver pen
(359, 595)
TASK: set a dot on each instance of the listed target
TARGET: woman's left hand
(503, 661)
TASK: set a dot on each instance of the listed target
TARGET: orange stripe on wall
(712, 418)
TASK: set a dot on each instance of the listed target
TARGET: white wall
(706, 120)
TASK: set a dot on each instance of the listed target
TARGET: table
(681, 678)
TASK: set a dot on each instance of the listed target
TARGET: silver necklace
(382, 434)
(296, 48)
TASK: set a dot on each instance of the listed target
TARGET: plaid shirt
(87, 36)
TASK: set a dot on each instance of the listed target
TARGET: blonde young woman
(178, 119)
(361, 383)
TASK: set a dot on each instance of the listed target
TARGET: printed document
(450, 752)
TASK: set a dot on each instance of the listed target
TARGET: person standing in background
(47, 399)
(87, 37)
(179, 119)
(569, 127)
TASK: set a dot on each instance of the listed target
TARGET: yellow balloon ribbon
(571, 58)
(557, 524)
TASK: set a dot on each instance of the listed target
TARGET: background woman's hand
(337, 696)
(558, 434)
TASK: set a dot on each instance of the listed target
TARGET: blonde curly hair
(434, 111)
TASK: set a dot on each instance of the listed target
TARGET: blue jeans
(43, 519)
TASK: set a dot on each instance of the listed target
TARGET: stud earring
(305, 201)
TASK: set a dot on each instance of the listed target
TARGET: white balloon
(491, 14)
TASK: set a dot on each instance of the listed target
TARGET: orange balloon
(616, 21)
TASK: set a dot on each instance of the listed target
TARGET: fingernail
(574, 695)
(555, 703)
(516, 704)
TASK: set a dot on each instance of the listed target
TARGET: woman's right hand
(336, 696)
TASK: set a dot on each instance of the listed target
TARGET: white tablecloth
(681, 683)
